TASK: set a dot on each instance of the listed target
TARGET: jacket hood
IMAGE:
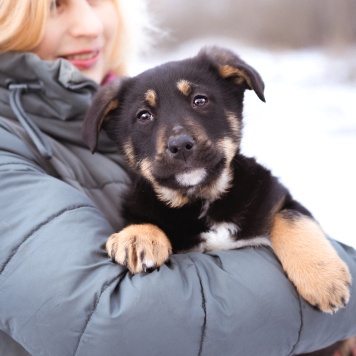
(57, 105)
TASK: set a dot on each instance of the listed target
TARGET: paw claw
(327, 289)
(329, 293)
(343, 302)
(139, 247)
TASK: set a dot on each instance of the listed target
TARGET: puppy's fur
(179, 126)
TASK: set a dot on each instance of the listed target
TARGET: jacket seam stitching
(70, 178)
(120, 277)
(203, 328)
(300, 327)
(116, 182)
(37, 228)
(17, 163)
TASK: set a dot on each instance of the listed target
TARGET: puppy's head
(178, 125)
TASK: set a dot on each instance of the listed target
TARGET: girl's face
(83, 32)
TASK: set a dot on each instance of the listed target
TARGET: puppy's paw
(139, 247)
(325, 284)
(310, 261)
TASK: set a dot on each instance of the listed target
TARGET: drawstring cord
(37, 137)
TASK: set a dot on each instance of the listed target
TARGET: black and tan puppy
(179, 128)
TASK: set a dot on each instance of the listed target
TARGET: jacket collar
(58, 108)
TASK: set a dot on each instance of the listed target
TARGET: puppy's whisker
(212, 170)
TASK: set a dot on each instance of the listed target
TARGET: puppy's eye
(145, 116)
(200, 100)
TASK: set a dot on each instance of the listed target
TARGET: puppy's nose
(181, 146)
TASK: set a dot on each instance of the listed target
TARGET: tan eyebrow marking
(151, 97)
(184, 87)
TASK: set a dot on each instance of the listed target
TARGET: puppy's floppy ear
(230, 65)
(104, 101)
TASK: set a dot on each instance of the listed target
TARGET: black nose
(181, 146)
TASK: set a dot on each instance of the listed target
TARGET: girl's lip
(84, 59)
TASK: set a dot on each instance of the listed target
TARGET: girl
(59, 292)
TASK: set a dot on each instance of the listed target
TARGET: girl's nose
(85, 21)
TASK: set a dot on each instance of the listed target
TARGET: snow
(305, 132)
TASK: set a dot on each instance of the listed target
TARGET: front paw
(139, 247)
(325, 285)
(311, 263)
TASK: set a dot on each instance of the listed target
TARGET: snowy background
(305, 52)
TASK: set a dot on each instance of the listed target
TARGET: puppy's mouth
(189, 176)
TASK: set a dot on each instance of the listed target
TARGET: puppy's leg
(310, 261)
(139, 247)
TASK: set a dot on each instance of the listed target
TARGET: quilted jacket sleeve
(61, 295)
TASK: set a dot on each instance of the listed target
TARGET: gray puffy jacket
(61, 295)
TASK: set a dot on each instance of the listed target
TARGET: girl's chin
(95, 75)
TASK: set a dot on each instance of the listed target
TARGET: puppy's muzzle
(181, 147)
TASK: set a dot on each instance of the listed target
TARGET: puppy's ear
(104, 101)
(229, 65)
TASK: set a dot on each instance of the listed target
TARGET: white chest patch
(222, 236)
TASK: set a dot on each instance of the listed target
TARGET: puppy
(179, 126)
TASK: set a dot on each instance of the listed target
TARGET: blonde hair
(22, 24)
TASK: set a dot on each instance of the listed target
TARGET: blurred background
(275, 24)
(305, 51)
